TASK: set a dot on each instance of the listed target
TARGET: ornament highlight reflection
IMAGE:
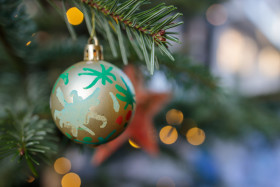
(133, 144)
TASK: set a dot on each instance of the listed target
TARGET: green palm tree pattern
(103, 75)
(128, 96)
(64, 77)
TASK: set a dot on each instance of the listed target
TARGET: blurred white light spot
(236, 53)
(216, 14)
(269, 62)
(159, 83)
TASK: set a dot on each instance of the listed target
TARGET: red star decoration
(141, 129)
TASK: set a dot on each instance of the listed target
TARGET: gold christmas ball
(92, 102)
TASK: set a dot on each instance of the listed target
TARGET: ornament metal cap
(93, 51)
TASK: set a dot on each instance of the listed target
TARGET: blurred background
(220, 128)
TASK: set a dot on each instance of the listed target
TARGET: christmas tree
(41, 39)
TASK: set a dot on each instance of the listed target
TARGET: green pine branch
(26, 137)
(145, 29)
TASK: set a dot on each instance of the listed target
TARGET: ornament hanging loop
(93, 51)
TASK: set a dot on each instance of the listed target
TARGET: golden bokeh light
(168, 135)
(195, 136)
(174, 117)
(28, 43)
(216, 14)
(133, 144)
(62, 165)
(71, 180)
(269, 62)
(30, 179)
(165, 182)
(74, 16)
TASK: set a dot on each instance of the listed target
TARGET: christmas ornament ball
(92, 102)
